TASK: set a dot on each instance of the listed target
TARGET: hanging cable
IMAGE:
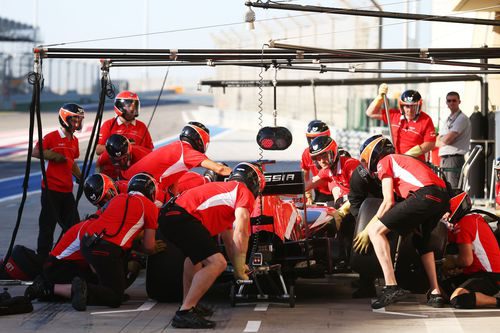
(34, 78)
(106, 90)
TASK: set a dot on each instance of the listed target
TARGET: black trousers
(108, 260)
(57, 207)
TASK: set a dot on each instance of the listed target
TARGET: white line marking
(382, 310)
(148, 305)
(261, 307)
(252, 326)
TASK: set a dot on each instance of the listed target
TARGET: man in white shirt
(454, 139)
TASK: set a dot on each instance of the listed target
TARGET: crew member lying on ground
(191, 222)
(65, 262)
(478, 259)
(425, 201)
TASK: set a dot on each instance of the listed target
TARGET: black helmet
(145, 184)
(373, 150)
(251, 175)
(411, 98)
(119, 148)
(212, 176)
(460, 205)
(99, 189)
(324, 145)
(316, 128)
(197, 135)
(69, 112)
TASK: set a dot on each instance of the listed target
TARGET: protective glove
(309, 198)
(415, 151)
(340, 213)
(361, 242)
(240, 267)
(53, 156)
(160, 246)
(383, 89)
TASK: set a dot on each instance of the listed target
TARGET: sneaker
(79, 294)
(389, 295)
(191, 319)
(203, 310)
(38, 289)
(435, 300)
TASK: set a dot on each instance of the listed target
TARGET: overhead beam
(384, 14)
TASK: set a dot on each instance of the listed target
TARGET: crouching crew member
(425, 201)
(108, 237)
(321, 193)
(201, 213)
(478, 258)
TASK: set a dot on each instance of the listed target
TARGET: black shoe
(79, 294)
(191, 319)
(364, 292)
(390, 294)
(435, 300)
(203, 310)
(39, 289)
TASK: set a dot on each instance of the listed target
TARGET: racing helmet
(324, 145)
(411, 98)
(316, 128)
(99, 189)
(197, 135)
(71, 117)
(460, 205)
(212, 176)
(119, 150)
(251, 175)
(145, 184)
(373, 150)
(127, 105)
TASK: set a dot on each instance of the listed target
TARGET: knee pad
(464, 301)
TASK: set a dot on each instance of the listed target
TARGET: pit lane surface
(322, 305)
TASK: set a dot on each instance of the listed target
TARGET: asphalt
(322, 305)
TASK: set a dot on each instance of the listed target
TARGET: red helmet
(251, 175)
(127, 105)
(324, 145)
(411, 98)
(71, 117)
(460, 205)
(316, 128)
(99, 189)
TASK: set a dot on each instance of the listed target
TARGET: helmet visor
(128, 106)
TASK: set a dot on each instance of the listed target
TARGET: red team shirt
(408, 174)
(141, 214)
(408, 134)
(59, 175)
(68, 248)
(136, 131)
(213, 204)
(167, 164)
(338, 179)
(307, 164)
(486, 253)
